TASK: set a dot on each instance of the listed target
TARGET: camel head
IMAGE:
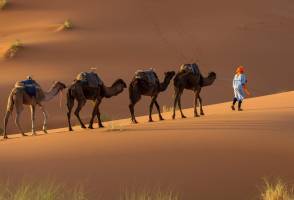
(169, 75)
(212, 75)
(121, 83)
(59, 86)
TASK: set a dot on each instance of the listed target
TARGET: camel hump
(148, 75)
(91, 78)
(192, 68)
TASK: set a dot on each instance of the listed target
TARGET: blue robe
(238, 82)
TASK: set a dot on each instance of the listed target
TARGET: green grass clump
(3, 4)
(149, 195)
(13, 49)
(277, 191)
(40, 191)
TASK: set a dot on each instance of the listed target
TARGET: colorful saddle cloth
(30, 87)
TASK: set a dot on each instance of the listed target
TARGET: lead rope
(60, 98)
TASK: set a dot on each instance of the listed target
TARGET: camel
(81, 92)
(139, 87)
(191, 81)
(18, 97)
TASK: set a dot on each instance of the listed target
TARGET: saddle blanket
(91, 78)
(193, 68)
(148, 75)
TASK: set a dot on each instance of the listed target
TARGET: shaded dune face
(121, 37)
(203, 158)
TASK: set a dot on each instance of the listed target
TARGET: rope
(60, 99)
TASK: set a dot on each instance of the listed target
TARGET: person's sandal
(233, 107)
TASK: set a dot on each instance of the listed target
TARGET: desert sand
(120, 37)
(223, 155)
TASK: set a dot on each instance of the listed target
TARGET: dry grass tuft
(277, 191)
(168, 108)
(13, 49)
(115, 127)
(67, 25)
(149, 195)
(40, 191)
(3, 4)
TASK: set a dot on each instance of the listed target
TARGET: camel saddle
(148, 75)
(192, 68)
(91, 78)
(30, 87)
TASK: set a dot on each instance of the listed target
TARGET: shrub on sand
(3, 4)
(13, 49)
(114, 127)
(149, 195)
(168, 108)
(277, 191)
(66, 25)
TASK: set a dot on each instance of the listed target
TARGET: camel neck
(51, 94)
(164, 84)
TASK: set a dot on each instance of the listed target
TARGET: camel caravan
(89, 86)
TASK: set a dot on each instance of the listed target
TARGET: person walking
(240, 88)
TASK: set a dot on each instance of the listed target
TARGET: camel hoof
(197, 115)
(150, 120)
(5, 137)
(183, 116)
(101, 126)
(45, 131)
(70, 129)
(90, 127)
(173, 117)
(161, 119)
(134, 122)
(24, 135)
(83, 127)
(202, 113)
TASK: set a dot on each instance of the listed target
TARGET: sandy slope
(223, 155)
(120, 37)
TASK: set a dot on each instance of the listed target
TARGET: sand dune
(223, 155)
(120, 37)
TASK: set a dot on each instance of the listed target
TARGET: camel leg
(99, 117)
(151, 108)
(70, 105)
(45, 118)
(7, 115)
(95, 113)
(195, 103)
(200, 102)
(33, 111)
(135, 97)
(180, 106)
(81, 103)
(175, 103)
(17, 117)
(158, 109)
